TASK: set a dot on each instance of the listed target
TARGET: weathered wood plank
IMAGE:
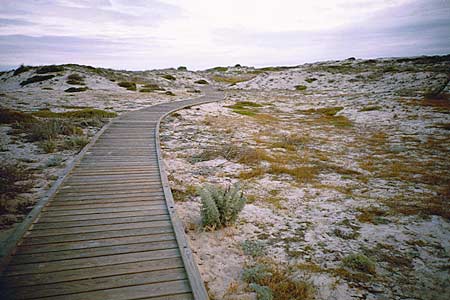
(87, 244)
(95, 235)
(68, 212)
(44, 218)
(92, 252)
(98, 284)
(93, 204)
(81, 263)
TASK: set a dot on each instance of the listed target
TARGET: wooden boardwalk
(110, 229)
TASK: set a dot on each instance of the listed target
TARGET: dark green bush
(131, 86)
(201, 81)
(9, 116)
(75, 90)
(182, 68)
(14, 179)
(49, 69)
(36, 78)
(75, 79)
(80, 114)
(300, 87)
(168, 77)
(21, 70)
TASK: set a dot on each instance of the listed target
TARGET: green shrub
(49, 69)
(310, 80)
(220, 207)
(14, 179)
(131, 86)
(370, 108)
(147, 88)
(359, 262)
(182, 68)
(36, 78)
(48, 130)
(48, 146)
(75, 90)
(253, 248)
(77, 114)
(21, 70)
(300, 87)
(9, 116)
(201, 81)
(256, 273)
(262, 292)
(75, 79)
(54, 161)
(75, 142)
(168, 77)
(219, 69)
(169, 93)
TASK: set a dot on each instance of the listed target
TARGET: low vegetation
(49, 69)
(76, 90)
(169, 77)
(80, 114)
(231, 80)
(36, 78)
(75, 79)
(9, 116)
(21, 69)
(201, 81)
(220, 207)
(131, 86)
(359, 262)
(300, 87)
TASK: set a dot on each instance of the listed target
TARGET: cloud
(200, 33)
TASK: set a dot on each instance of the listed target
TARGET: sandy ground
(368, 180)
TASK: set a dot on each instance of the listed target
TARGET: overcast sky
(149, 34)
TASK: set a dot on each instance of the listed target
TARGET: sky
(199, 34)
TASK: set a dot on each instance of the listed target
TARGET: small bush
(169, 93)
(220, 207)
(48, 130)
(262, 292)
(253, 248)
(131, 86)
(14, 179)
(54, 161)
(310, 80)
(49, 69)
(168, 77)
(201, 81)
(48, 146)
(182, 68)
(326, 111)
(75, 142)
(75, 79)
(359, 262)
(300, 87)
(277, 279)
(36, 78)
(75, 90)
(9, 116)
(21, 70)
(370, 108)
(78, 114)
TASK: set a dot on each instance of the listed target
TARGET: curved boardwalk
(110, 231)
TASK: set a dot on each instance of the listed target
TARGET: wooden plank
(98, 284)
(69, 212)
(114, 187)
(96, 228)
(154, 189)
(81, 263)
(44, 218)
(121, 220)
(94, 235)
(60, 204)
(76, 245)
(145, 180)
(92, 273)
(92, 252)
(64, 202)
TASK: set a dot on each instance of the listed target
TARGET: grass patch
(232, 80)
(76, 90)
(274, 279)
(169, 77)
(290, 142)
(302, 174)
(15, 179)
(325, 111)
(75, 79)
(148, 88)
(359, 262)
(75, 142)
(370, 108)
(246, 108)
(49, 69)
(310, 80)
(79, 114)
(49, 130)
(201, 81)
(21, 70)
(300, 87)
(10, 116)
(36, 78)
(131, 86)
(372, 215)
